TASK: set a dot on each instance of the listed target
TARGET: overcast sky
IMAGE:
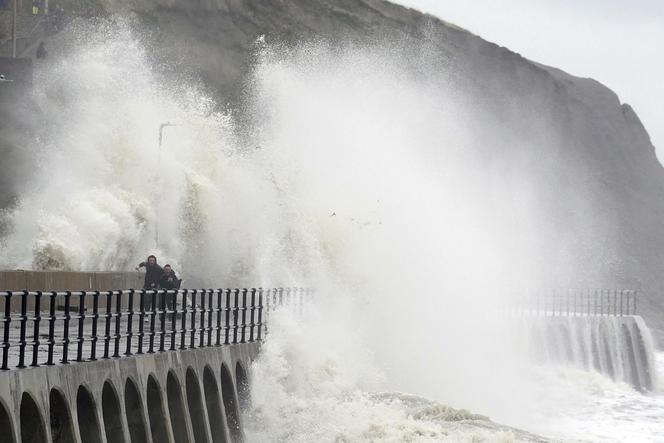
(618, 42)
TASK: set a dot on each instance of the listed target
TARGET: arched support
(632, 370)
(196, 408)
(159, 426)
(6, 426)
(134, 413)
(176, 409)
(86, 412)
(85, 402)
(230, 404)
(32, 421)
(242, 387)
(62, 429)
(213, 403)
(110, 405)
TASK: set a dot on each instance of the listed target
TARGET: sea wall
(189, 395)
(620, 347)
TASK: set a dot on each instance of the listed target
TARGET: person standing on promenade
(153, 272)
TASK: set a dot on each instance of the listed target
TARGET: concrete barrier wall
(67, 281)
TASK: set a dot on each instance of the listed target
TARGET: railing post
(95, 319)
(227, 327)
(24, 321)
(130, 320)
(236, 314)
(107, 324)
(141, 320)
(174, 320)
(183, 330)
(281, 297)
(118, 318)
(219, 292)
(615, 302)
(260, 314)
(210, 312)
(163, 306)
(163, 311)
(622, 291)
(635, 294)
(153, 316)
(51, 327)
(65, 332)
(567, 302)
(252, 323)
(81, 326)
(35, 332)
(244, 315)
(192, 332)
(6, 329)
(201, 333)
(595, 302)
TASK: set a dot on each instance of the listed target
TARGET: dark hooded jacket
(152, 275)
(169, 281)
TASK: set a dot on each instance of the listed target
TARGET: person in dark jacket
(168, 279)
(153, 272)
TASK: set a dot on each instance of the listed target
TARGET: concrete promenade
(129, 366)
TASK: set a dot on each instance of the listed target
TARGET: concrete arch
(32, 422)
(195, 403)
(134, 413)
(242, 387)
(632, 370)
(230, 404)
(110, 406)
(86, 412)
(213, 403)
(62, 430)
(156, 413)
(6, 426)
(176, 409)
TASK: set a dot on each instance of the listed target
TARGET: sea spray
(305, 388)
(359, 170)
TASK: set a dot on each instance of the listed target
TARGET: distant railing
(588, 302)
(112, 324)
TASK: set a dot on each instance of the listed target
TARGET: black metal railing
(588, 302)
(111, 324)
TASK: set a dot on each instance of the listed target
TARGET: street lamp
(14, 13)
(161, 134)
(161, 139)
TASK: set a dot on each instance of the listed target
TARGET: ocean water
(586, 406)
(355, 170)
(300, 395)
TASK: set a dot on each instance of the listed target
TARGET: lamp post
(161, 133)
(14, 12)
(161, 140)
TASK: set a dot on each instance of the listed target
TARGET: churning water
(355, 170)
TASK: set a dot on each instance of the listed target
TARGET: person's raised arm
(141, 265)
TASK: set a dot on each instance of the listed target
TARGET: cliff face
(572, 133)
